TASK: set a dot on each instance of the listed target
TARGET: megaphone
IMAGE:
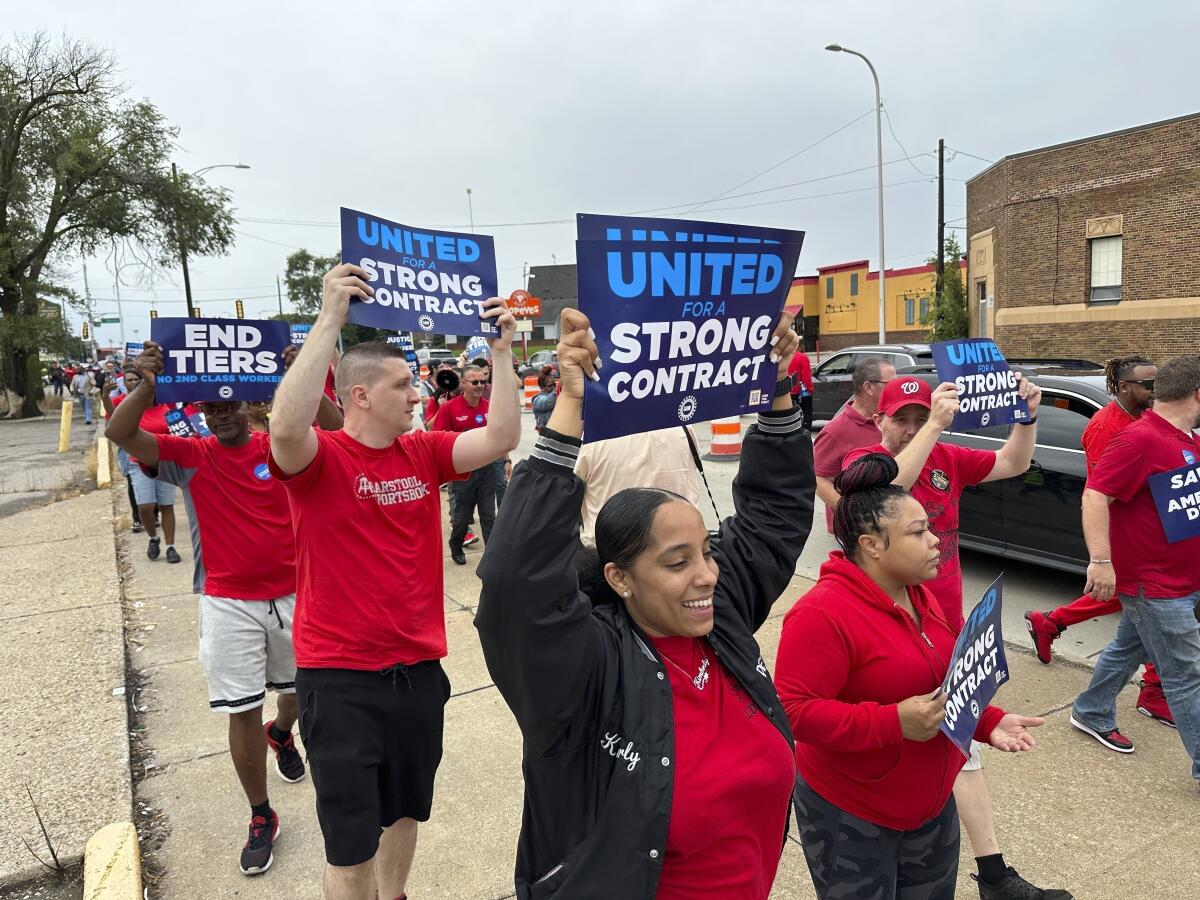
(446, 380)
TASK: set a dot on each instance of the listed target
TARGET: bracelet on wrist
(1100, 562)
(1032, 421)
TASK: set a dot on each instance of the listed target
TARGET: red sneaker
(1152, 702)
(258, 851)
(1043, 631)
(1113, 740)
(288, 763)
(470, 538)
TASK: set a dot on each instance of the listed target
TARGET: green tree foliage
(947, 318)
(80, 167)
(303, 277)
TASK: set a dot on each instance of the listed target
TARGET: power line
(819, 196)
(888, 116)
(972, 155)
(267, 240)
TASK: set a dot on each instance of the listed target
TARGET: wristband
(1100, 562)
(1032, 421)
(783, 386)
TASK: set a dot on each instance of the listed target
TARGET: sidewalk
(65, 733)
(1072, 814)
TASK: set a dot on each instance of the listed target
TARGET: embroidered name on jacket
(391, 491)
(612, 743)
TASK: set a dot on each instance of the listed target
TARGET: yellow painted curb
(103, 462)
(112, 864)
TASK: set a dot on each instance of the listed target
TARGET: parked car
(1035, 517)
(831, 379)
(431, 356)
(537, 361)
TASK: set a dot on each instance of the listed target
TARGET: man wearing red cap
(911, 418)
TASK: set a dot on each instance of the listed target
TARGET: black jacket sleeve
(540, 641)
(758, 546)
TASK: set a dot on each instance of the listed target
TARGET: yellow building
(843, 299)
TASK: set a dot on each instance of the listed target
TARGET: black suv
(831, 379)
(1035, 517)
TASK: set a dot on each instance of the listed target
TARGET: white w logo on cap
(909, 387)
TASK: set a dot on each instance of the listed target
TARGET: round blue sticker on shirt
(479, 418)
(262, 472)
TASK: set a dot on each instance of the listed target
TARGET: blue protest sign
(180, 424)
(424, 280)
(683, 314)
(134, 349)
(1177, 498)
(987, 387)
(977, 668)
(300, 331)
(219, 359)
(477, 348)
(405, 342)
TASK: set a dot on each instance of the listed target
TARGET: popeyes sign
(521, 305)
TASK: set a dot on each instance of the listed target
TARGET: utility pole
(941, 229)
(470, 210)
(87, 299)
(187, 281)
(279, 294)
(120, 314)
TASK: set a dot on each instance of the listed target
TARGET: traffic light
(154, 313)
(85, 331)
(195, 312)
(241, 311)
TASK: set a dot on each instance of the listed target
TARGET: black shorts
(374, 742)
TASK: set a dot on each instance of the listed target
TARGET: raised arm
(480, 446)
(293, 442)
(758, 546)
(540, 641)
(124, 421)
(329, 417)
(1014, 457)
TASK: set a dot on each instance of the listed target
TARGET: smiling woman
(657, 761)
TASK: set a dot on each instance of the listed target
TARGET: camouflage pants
(852, 859)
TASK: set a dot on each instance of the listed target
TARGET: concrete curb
(112, 864)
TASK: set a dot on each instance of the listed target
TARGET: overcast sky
(545, 109)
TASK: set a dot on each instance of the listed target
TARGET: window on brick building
(909, 311)
(853, 284)
(1106, 268)
(829, 288)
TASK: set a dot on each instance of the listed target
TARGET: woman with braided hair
(861, 662)
(1130, 382)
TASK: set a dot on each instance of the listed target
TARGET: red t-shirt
(368, 529)
(801, 367)
(242, 513)
(846, 431)
(733, 783)
(1141, 555)
(948, 471)
(1101, 429)
(458, 415)
(154, 419)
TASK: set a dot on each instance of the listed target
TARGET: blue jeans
(1166, 633)
(87, 407)
(501, 481)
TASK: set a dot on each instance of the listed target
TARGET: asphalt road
(1026, 586)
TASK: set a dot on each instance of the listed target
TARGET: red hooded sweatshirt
(848, 656)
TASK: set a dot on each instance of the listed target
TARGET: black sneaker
(257, 854)
(459, 557)
(152, 550)
(137, 528)
(173, 555)
(288, 763)
(1014, 887)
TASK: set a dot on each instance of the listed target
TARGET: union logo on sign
(225, 391)
(687, 408)
(426, 323)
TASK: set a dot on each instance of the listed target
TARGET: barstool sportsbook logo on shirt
(391, 491)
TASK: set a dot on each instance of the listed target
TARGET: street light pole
(838, 48)
(187, 281)
(470, 211)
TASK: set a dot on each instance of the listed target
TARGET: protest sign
(987, 387)
(683, 326)
(1177, 498)
(219, 359)
(424, 280)
(477, 348)
(300, 331)
(405, 342)
(133, 349)
(186, 422)
(977, 668)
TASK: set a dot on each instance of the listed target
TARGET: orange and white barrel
(424, 372)
(726, 439)
(531, 390)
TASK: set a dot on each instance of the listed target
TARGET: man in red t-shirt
(1130, 382)
(1157, 583)
(239, 516)
(853, 426)
(369, 630)
(466, 412)
(911, 418)
(800, 370)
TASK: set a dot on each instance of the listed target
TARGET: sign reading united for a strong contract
(987, 387)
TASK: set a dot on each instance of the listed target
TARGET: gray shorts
(246, 650)
(975, 761)
(147, 490)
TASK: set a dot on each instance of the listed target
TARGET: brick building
(1090, 248)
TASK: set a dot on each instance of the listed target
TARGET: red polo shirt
(848, 430)
(1141, 555)
(458, 415)
(1101, 429)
